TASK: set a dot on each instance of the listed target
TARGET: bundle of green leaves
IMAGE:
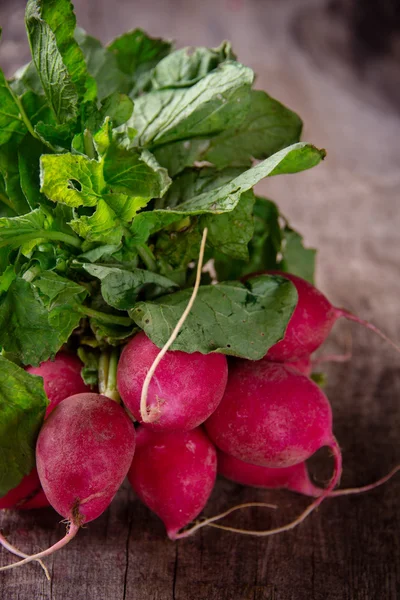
(113, 159)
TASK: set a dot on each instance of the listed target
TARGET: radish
(294, 478)
(173, 474)
(311, 321)
(271, 415)
(184, 391)
(61, 378)
(26, 495)
(83, 453)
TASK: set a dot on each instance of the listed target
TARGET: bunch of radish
(190, 417)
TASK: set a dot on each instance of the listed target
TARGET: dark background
(337, 63)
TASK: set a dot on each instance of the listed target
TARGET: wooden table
(348, 208)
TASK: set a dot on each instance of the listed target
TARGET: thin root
(211, 521)
(71, 533)
(149, 416)
(6, 544)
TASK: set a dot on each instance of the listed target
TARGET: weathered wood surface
(348, 208)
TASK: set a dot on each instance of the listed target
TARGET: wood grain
(348, 208)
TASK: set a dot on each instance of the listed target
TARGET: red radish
(173, 474)
(83, 454)
(294, 478)
(39, 500)
(61, 378)
(311, 321)
(271, 415)
(28, 494)
(185, 388)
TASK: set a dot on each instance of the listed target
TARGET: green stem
(31, 273)
(7, 201)
(42, 233)
(103, 372)
(108, 364)
(24, 116)
(104, 317)
(147, 257)
(88, 144)
(112, 391)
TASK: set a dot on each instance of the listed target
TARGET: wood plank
(348, 208)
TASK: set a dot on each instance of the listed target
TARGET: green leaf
(90, 369)
(186, 66)
(178, 155)
(296, 258)
(27, 231)
(58, 59)
(137, 54)
(26, 78)
(268, 127)
(29, 154)
(224, 198)
(230, 233)
(118, 107)
(23, 404)
(72, 179)
(135, 173)
(215, 103)
(28, 328)
(232, 318)
(59, 292)
(11, 122)
(120, 288)
(264, 247)
(101, 64)
(117, 186)
(37, 109)
(11, 176)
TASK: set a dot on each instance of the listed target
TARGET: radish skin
(83, 454)
(173, 474)
(270, 415)
(184, 390)
(61, 378)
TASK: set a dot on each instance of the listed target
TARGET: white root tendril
(71, 533)
(6, 544)
(211, 521)
(152, 414)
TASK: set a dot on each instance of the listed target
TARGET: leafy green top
(112, 161)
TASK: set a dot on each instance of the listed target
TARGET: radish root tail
(6, 544)
(152, 414)
(71, 533)
(341, 312)
(365, 488)
(332, 484)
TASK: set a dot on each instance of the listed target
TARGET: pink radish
(28, 494)
(173, 474)
(294, 478)
(83, 453)
(61, 378)
(311, 322)
(271, 415)
(185, 388)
